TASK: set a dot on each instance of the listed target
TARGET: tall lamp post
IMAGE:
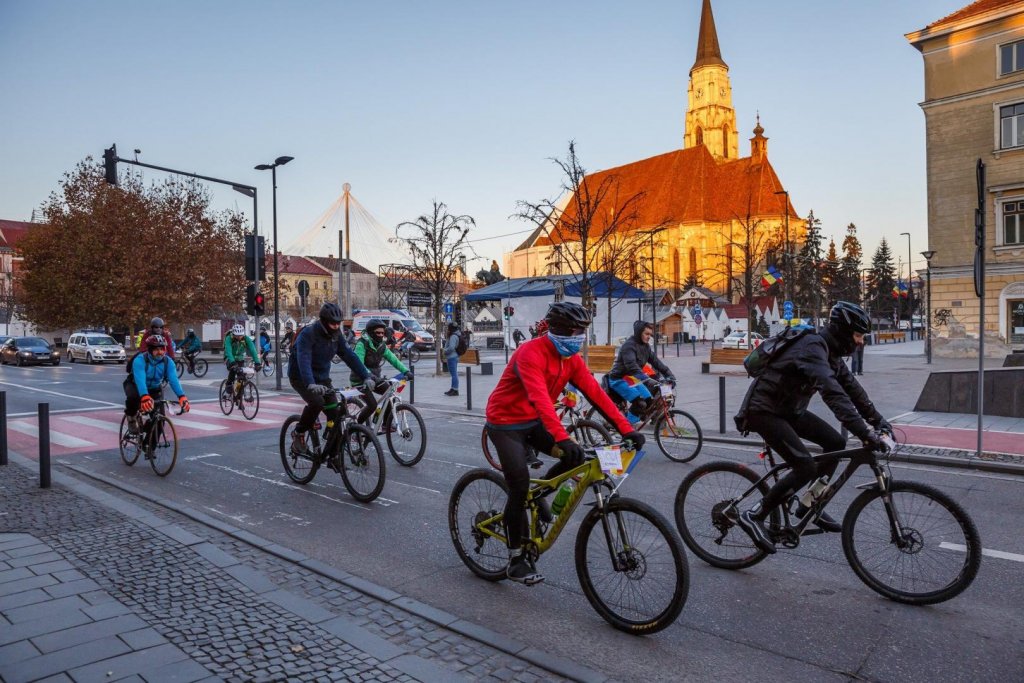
(928, 306)
(910, 289)
(280, 161)
(788, 265)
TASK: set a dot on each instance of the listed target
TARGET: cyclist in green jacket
(372, 349)
(236, 345)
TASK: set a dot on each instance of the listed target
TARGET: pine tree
(881, 282)
(807, 269)
(849, 269)
(830, 275)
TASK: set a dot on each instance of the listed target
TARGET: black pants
(315, 403)
(234, 369)
(511, 446)
(132, 400)
(784, 436)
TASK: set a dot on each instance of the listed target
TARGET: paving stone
(72, 588)
(130, 663)
(12, 587)
(67, 575)
(53, 567)
(424, 670)
(41, 610)
(27, 550)
(38, 627)
(16, 652)
(59, 678)
(306, 609)
(143, 638)
(185, 671)
(41, 558)
(59, 640)
(362, 639)
(24, 598)
(62, 660)
(180, 535)
(254, 580)
(215, 555)
(106, 610)
(11, 541)
(15, 574)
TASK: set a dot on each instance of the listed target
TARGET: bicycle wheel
(129, 444)
(414, 356)
(250, 401)
(490, 452)
(940, 551)
(592, 415)
(707, 506)
(300, 468)
(227, 399)
(362, 463)
(588, 433)
(200, 367)
(268, 368)
(480, 495)
(179, 368)
(354, 406)
(645, 586)
(406, 435)
(164, 445)
(678, 435)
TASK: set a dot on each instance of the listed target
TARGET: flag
(771, 277)
(900, 290)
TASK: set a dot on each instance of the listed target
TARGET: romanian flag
(900, 290)
(771, 277)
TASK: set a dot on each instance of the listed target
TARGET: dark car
(26, 350)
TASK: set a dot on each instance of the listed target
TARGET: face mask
(566, 345)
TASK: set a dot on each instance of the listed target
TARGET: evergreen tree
(830, 276)
(881, 282)
(849, 275)
(808, 268)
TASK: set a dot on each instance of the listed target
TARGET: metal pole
(348, 255)
(3, 428)
(979, 285)
(277, 315)
(44, 445)
(654, 308)
(721, 405)
(910, 290)
(412, 390)
(469, 389)
(928, 313)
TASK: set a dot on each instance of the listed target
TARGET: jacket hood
(638, 329)
(836, 348)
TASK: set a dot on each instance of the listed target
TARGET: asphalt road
(800, 615)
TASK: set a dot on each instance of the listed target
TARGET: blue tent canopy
(602, 284)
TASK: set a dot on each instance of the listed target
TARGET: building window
(700, 136)
(725, 140)
(1011, 126)
(1011, 57)
(693, 262)
(1013, 223)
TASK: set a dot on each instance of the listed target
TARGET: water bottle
(814, 491)
(561, 498)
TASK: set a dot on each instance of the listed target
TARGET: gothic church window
(725, 140)
(700, 136)
(693, 261)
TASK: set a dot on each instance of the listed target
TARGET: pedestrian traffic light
(258, 304)
(250, 299)
(110, 164)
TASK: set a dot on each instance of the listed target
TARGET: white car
(738, 340)
(94, 347)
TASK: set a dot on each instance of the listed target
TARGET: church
(704, 213)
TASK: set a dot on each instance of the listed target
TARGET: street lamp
(928, 309)
(280, 161)
(788, 268)
(910, 289)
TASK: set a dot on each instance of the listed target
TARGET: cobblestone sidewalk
(96, 588)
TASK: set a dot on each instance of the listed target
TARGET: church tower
(710, 118)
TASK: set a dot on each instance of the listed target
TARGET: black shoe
(452, 392)
(756, 531)
(521, 570)
(825, 522)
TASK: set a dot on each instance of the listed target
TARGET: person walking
(451, 358)
(518, 337)
(857, 359)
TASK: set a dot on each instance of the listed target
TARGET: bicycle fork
(616, 555)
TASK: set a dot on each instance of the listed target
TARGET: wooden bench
(724, 357)
(886, 337)
(472, 357)
(601, 358)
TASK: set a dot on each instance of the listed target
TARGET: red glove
(183, 402)
(147, 403)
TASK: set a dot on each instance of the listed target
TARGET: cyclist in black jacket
(627, 377)
(776, 408)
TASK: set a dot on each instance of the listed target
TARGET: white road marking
(181, 421)
(93, 422)
(57, 393)
(205, 455)
(999, 554)
(235, 416)
(413, 486)
(278, 482)
(56, 437)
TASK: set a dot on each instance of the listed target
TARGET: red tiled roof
(331, 264)
(974, 9)
(689, 185)
(11, 232)
(296, 265)
(735, 310)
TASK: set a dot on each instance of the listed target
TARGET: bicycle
(349, 448)
(156, 438)
(586, 432)
(406, 352)
(637, 579)
(267, 365)
(677, 433)
(196, 366)
(244, 394)
(892, 529)
(398, 422)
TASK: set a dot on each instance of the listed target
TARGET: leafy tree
(117, 256)
(881, 282)
(808, 270)
(849, 272)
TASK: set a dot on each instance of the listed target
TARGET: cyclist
(236, 344)
(264, 343)
(372, 350)
(156, 327)
(150, 369)
(628, 377)
(289, 336)
(775, 407)
(348, 333)
(521, 415)
(190, 348)
(309, 370)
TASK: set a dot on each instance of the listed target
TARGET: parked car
(738, 340)
(94, 347)
(25, 350)
(400, 322)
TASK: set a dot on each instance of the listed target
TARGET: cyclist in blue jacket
(150, 370)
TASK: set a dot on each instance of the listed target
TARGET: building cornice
(967, 270)
(962, 97)
(917, 37)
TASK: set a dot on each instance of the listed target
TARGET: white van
(94, 347)
(401, 323)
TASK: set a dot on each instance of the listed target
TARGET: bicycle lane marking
(999, 554)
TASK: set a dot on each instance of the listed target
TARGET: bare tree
(619, 257)
(436, 244)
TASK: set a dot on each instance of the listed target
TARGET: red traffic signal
(258, 304)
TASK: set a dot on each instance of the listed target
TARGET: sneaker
(299, 443)
(825, 521)
(452, 392)
(522, 570)
(133, 424)
(756, 531)
(633, 419)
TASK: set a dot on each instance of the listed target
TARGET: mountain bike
(197, 366)
(907, 541)
(677, 433)
(400, 423)
(244, 394)
(349, 448)
(156, 438)
(583, 431)
(629, 560)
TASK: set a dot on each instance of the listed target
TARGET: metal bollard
(721, 405)
(44, 445)
(3, 427)
(412, 390)
(469, 390)
(677, 348)
(693, 345)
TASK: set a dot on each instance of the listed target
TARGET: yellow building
(701, 198)
(974, 109)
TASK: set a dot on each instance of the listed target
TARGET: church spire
(708, 51)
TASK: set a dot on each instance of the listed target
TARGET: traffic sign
(449, 308)
(698, 319)
(787, 306)
(421, 299)
(697, 309)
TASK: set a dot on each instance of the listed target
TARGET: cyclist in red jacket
(521, 415)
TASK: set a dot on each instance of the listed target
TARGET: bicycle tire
(353, 406)
(589, 433)
(403, 436)
(929, 532)
(465, 510)
(268, 368)
(179, 368)
(490, 452)
(655, 557)
(414, 356)
(200, 367)
(360, 455)
(249, 403)
(593, 415)
(705, 522)
(225, 395)
(300, 468)
(164, 438)
(676, 435)
(129, 444)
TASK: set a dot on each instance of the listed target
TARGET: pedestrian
(533, 332)
(518, 337)
(451, 357)
(857, 360)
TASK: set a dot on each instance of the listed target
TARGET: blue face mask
(566, 345)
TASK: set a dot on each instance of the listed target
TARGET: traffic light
(509, 311)
(110, 164)
(250, 299)
(258, 304)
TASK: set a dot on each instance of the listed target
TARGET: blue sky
(464, 102)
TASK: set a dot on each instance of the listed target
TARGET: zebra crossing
(94, 430)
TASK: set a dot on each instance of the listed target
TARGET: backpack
(462, 344)
(758, 360)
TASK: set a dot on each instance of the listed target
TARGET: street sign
(447, 317)
(787, 310)
(418, 298)
(449, 308)
(697, 310)
(697, 318)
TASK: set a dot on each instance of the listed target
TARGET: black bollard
(412, 389)
(721, 405)
(693, 345)
(3, 427)
(677, 348)
(469, 390)
(44, 445)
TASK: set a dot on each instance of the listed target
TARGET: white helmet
(238, 330)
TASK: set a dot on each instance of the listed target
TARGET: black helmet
(848, 319)
(156, 322)
(375, 324)
(565, 316)
(330, 312)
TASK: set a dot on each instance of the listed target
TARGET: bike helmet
(289, 326)
(846, 319)
(564, 316)
(190, 332)
(330, 312)
(238, 330)
(263, 327)
(156, 322)
(375, 324)
(155, 341)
